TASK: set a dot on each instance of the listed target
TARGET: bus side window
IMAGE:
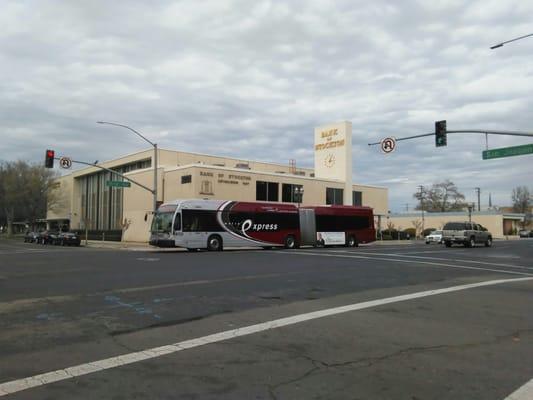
(177, 222)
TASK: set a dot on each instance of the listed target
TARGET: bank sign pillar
(333, 155)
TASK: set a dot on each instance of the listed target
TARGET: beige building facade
(87, 201)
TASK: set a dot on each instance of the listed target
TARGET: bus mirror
(145, 217)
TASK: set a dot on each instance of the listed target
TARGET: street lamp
(470, 208)
(509, 41)
(299, 194)
(154, 191)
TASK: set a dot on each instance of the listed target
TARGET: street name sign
(121, 184)
(508, 151)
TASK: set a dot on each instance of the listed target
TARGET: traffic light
(49, 159)
(440, 134)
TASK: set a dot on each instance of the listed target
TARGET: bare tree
(522, 203)
(24, 189)
(417, 224)
(442, 196)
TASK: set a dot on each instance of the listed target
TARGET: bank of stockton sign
(330, 136)
(231, 179)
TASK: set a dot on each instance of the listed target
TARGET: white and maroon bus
(212, 224)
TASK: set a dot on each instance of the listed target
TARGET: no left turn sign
(65, 162)
(388, 145)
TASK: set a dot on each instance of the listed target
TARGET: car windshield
(436, 233)
(454, 226)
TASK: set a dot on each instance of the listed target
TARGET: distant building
(500, 224)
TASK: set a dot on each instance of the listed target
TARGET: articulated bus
(213, 224)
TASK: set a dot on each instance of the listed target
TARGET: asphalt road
(71, 307)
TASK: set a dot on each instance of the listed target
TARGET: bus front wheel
(290, 242)
(214, 243)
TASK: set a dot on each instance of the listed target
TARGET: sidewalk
(393, 242)
(131, 246)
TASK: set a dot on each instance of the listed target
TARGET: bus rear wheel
(214, 243)
(351, 242)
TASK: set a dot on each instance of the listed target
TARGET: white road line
(524, 392)
(436, 258)
(155, 352)
(308, 253)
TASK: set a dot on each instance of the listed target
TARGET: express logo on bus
(249, 225)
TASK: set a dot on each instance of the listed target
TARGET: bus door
(307, 227)
(177, 225)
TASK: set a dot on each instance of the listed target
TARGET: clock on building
(329, 161)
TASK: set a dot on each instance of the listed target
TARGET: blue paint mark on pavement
(137, 307)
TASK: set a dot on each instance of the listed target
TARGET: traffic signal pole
(483, 131)
(113, 172)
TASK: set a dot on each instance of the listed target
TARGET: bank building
(95, 200)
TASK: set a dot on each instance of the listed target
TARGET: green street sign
(508, 151)
(121, 184)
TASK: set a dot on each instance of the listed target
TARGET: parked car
(466, 233)
(48, 237)
(524, 233)
(434, 237)
(31, 237)
(69, 239)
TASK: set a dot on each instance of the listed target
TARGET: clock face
(329, 161)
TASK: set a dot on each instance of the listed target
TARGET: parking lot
(405, 321)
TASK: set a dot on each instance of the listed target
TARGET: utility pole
(478, 191)
(421, 188)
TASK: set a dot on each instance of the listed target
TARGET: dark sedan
(69, 239)
(48, 237)
(31, 237)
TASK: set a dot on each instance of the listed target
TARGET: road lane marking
(436, 258)
(524, 392)
(329, 254)
(155, 352)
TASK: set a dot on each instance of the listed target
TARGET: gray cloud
(253, 79)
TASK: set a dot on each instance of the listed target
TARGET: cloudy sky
(251, 79)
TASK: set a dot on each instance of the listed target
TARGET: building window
(186, 179)
(334, 196)
(288, 193)
(357, 198)
(266, 191)
(206, 188)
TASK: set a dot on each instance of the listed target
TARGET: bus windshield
(162, 221)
